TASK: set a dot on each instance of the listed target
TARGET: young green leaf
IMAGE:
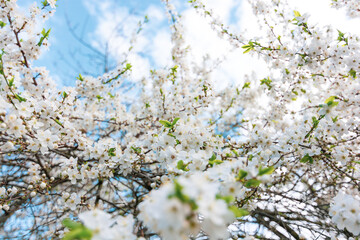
(307, 159)
(80, 78)
(111, 152)
(166, 124)
(228, 199)
(70, 224)
(252, 183)
(246, 85)
(238, 212)
(242, 174)
(175, 121)
(45, 35)
(297, 14)
(182, 166)
(263, 171)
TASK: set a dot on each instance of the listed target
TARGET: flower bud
(43, 185)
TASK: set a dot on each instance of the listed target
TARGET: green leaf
(216, 161)
(166, 124)
(317, 74)
(306, 159)
(45, 35)
(341, 37)
(334, 120)
(235, 152)
(2, 24)
(11, 82)
(297, 14)
(242, 174)
(79, 234)
(315, 124)
(238, 212)
(58, 122)
(246, 85)
(249, 47)
(213, 160)
(228, 199)
(247, 50)
(44, 3)
(182, 166)
(111, 96)
(330, 101)
(18, 97)
(64, 95)
(128, 66)
(111, 152)
(295, 92)
(263, 171)
(267, 82)
(175, 121)
(352, 73)
(252, 183)
(80, 78)
(315, 121)
(136, 150)
(70, 224)
(174, 69)
(205, 88)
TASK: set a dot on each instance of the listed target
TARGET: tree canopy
(270, 158)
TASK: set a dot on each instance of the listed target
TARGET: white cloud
(115, 30)
(204, 40)
(322, 13)
(224, 8)
(141, 66)
(155, 44)
(160, 49)
(155, 13)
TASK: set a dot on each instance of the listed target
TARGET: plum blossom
(104, 227)
(345, 212)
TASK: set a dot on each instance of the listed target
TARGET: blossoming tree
(271, 158)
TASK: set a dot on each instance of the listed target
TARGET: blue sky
(112, 22)
(94, 22)
(67, 57)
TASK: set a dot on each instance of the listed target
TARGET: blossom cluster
(345, 212)
(106, 228)
(186, 206)
(352, 7)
